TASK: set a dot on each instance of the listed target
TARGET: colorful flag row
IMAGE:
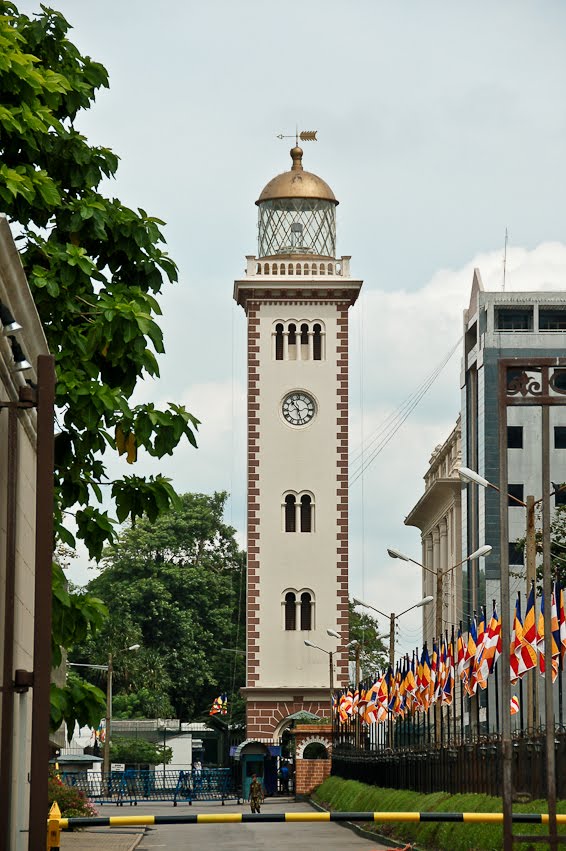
(428, 678)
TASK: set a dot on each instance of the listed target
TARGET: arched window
(317, 342)
(306, 513)
(279, 342)
(290, 269)
(281, 268)
(290, 513)
(292, 341)
(266, 268)
(304, 334)
(290, 611)
(306, 611)
(315, 750)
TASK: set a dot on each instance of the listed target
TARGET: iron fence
(471, 766)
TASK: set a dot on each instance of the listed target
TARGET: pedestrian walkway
(275, 837)
(102, 839)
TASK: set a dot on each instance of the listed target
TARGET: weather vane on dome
(304, 136)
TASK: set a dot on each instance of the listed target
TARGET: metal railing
(458, 768)
(131, 786)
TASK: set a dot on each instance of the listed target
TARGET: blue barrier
(131, 786)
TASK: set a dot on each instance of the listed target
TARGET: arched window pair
(298, 512)
(304, 602)
(299, 341)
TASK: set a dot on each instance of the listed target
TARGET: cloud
(405, 335)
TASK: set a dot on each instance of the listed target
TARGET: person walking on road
(256, 794)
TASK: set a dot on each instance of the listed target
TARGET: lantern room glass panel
(297, 226)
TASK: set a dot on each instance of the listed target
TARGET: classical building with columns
(296, 294)
(438, 515)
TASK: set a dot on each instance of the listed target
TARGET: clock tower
(296, 294)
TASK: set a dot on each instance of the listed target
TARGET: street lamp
(330, 653)
(479, 553)
(392, 618)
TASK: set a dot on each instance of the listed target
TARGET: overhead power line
(363, 457)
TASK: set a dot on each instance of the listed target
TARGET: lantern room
(297, 214)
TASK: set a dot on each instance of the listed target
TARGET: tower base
(268, 708)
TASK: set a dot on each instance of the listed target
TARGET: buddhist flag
(562, 625)
(448, 688)
(541, 639)
(525, 651)
(529, 624)
(461, 654)
(514, 705)
(219, 705)
(491, 650)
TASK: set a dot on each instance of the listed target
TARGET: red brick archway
(309, 773)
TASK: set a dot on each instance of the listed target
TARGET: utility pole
(108, 721)
(392, 639)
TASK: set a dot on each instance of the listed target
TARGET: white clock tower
(296, 294)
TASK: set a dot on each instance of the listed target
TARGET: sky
(440, 125)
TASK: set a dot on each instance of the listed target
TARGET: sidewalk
(102, 839)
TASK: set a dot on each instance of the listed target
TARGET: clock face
(298, 408)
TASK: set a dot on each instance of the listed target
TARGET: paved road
(241, 837)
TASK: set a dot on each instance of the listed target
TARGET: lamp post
(330, 653)
(392, 618)
(440, 574)
(108, 719)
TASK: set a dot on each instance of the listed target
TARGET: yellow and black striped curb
(247, 818)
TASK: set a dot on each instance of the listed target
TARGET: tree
(139, 752)
(94, 267)
(76, 617)
(175, 586)
(365, 630)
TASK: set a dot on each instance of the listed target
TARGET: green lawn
(338, 794)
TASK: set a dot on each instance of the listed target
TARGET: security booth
(259, 758)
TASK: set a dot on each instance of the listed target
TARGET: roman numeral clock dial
(298, 408)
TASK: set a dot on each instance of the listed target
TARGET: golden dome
(297, 183)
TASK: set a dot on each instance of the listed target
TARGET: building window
(288, 336)
(560, 495)
(306, 513)
(516, 555)
(317, 342)
(514, 319)
(290, 513)
(290, 611)
(306, 611)
(516, 491)
(292, 340)
(514, 437)
(551, 319)
(560, 437)
(279, 342)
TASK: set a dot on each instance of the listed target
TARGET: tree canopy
(365, 630)
(176, 587)
(94, 267)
